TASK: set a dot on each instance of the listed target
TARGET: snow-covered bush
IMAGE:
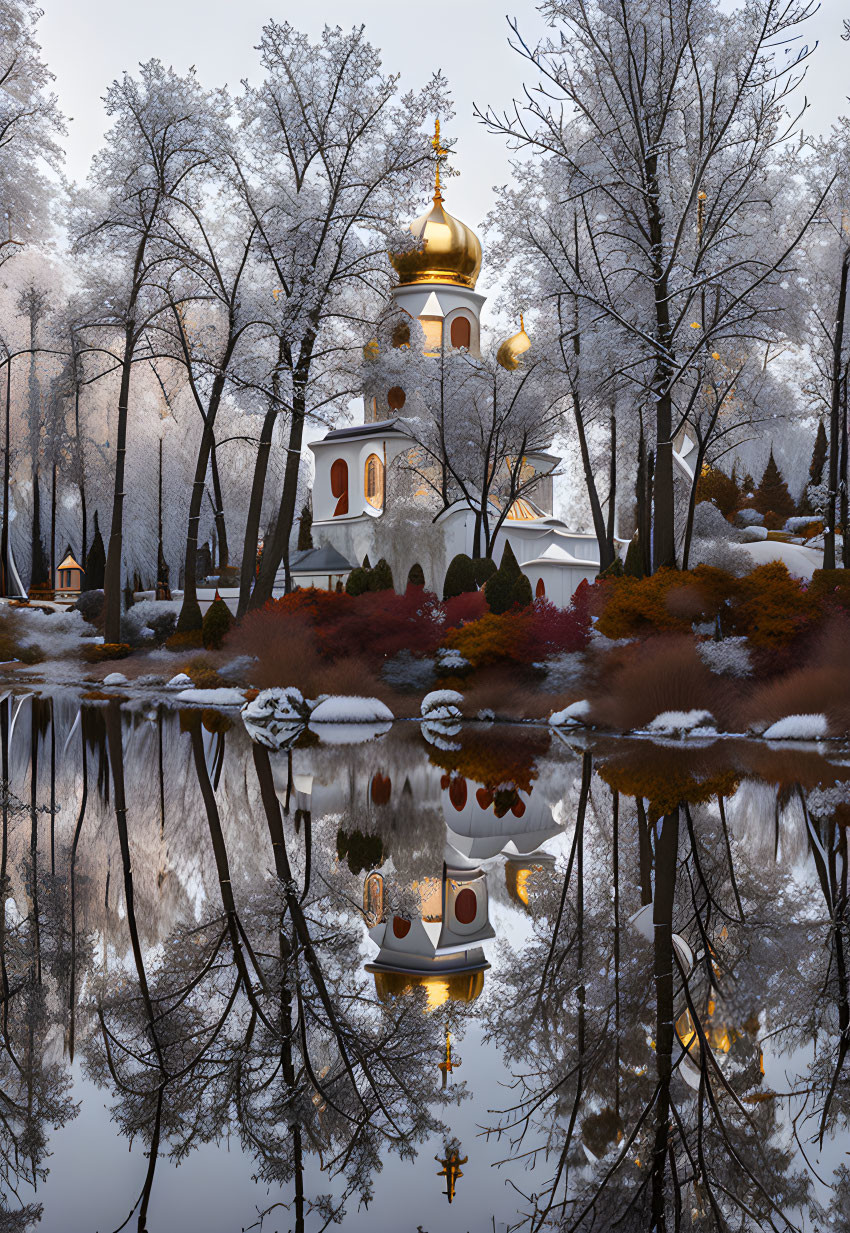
(90, 604)
(709, 523)
(275, 716)
(351, 710)
(749, 518)
(684, 723)
(56, 635)
(409, 673)
(158, 614)
(450, 661)
(798, 728)
(442, 704)
(135, 630)
(715, 542)
(575, 713)
(727, 658)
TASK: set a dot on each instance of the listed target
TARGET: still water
(454, 980)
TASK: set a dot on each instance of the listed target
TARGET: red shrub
(462, 608)
(552, 631)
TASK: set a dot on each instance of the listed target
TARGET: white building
(436, 285)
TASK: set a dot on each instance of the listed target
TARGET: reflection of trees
(258, 1017)
(34, 1084)
(629, 1129)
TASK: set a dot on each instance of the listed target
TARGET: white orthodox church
(436, 286)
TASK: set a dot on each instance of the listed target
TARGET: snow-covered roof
(556, 555)
(323, 560)
(379, 428)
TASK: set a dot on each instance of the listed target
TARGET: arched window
(401, 927)
(396, 398)
(540, 589)
(457, 793)
(466, 906)
(461, 332)
(339, 486)
(373, 481)
(381, 789)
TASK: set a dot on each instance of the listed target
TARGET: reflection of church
(353, 466)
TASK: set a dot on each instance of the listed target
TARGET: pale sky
(87, 43)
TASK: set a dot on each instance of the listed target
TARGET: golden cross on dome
(440, 154)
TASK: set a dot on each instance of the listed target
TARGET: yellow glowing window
(373, 482)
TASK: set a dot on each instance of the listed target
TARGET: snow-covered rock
(450, 660)
(115, 678)
(212, 697)
(575, 713)
(442, 704)
(276, 716)
(798, 728)
(181, 681)
(351, 733)
(351, 710)
(751, 535)
(684, 723)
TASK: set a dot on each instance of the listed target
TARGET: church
(358, 511)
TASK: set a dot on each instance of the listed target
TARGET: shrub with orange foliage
(520, 636)
(498, 758)
(770, 607)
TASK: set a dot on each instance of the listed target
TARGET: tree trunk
(845, 538)
(612, 486)
(600, 530)
(692, 504)
(663, 522)
(53, 525)
(220, 524)
(112, 573)
(662, 915)
(4, 541)
(255, 510)
(190, 611)
(835, 406)
(81, 482)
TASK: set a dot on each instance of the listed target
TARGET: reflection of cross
(451, 1169)
(440, 153)
(449, 1064)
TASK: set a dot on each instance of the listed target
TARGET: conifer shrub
(500, 586)
(614, 570)
(521, 595)
(357, 582)
(381, 577)
(633, 566)
(820, 451)
(416, 576)
(95, 562)
(217, 624)
(772, 495)
(720, 489)
(485, 568)
(191, 619)
(305, 529)
(460, 576)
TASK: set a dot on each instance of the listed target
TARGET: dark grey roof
(324, 560)
(376, 429)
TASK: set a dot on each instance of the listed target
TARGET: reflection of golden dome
(453, 987)
(450, 252)
(512, 348)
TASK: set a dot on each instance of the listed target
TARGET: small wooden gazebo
(69, 578)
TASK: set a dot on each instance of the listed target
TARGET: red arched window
(396, 398)
(540, 589)
(401, 927)
(461, 332)
(466, 906)
(339, 486)
(381, 789)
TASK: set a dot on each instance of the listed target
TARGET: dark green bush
(358, 581)
(460, 577)
(485, 568)
(217, 624)
(381, 577)
(416, 576)
(500, 587)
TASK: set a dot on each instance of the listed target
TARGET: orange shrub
(770, 607)
(491, 639)
(666, 602)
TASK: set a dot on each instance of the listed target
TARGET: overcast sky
(87, 43)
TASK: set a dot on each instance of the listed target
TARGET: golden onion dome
(512, 348)
(450, 252)
(439, 989)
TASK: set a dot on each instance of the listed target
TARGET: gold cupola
(447, 250)
(512, 348)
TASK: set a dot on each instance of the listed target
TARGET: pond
(454, 979)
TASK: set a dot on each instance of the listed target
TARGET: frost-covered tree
(158, 144)
(30, 122)
(658, 130)
(333, 161)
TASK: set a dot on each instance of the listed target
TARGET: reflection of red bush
(495, 758)
(381, 789)
(457, 793)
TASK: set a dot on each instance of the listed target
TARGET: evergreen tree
(218, 621)
(305, 529)
(772, 495)
(633, 567)
(485, 568)
(96, 560)
(357, 581)
(816, 466)
(460, 576)
(381, 577)
(500, 587)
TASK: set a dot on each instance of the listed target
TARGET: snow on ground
(692, 723)
(353, 710)
(575, 713)
(56, 633)
(798, 728)
(212, 697)
(115, 678)
(441, 704)
(800, 561)
(181, 681)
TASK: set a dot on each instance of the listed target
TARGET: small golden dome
(439, 989)
(450, 252)
(512, 348)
